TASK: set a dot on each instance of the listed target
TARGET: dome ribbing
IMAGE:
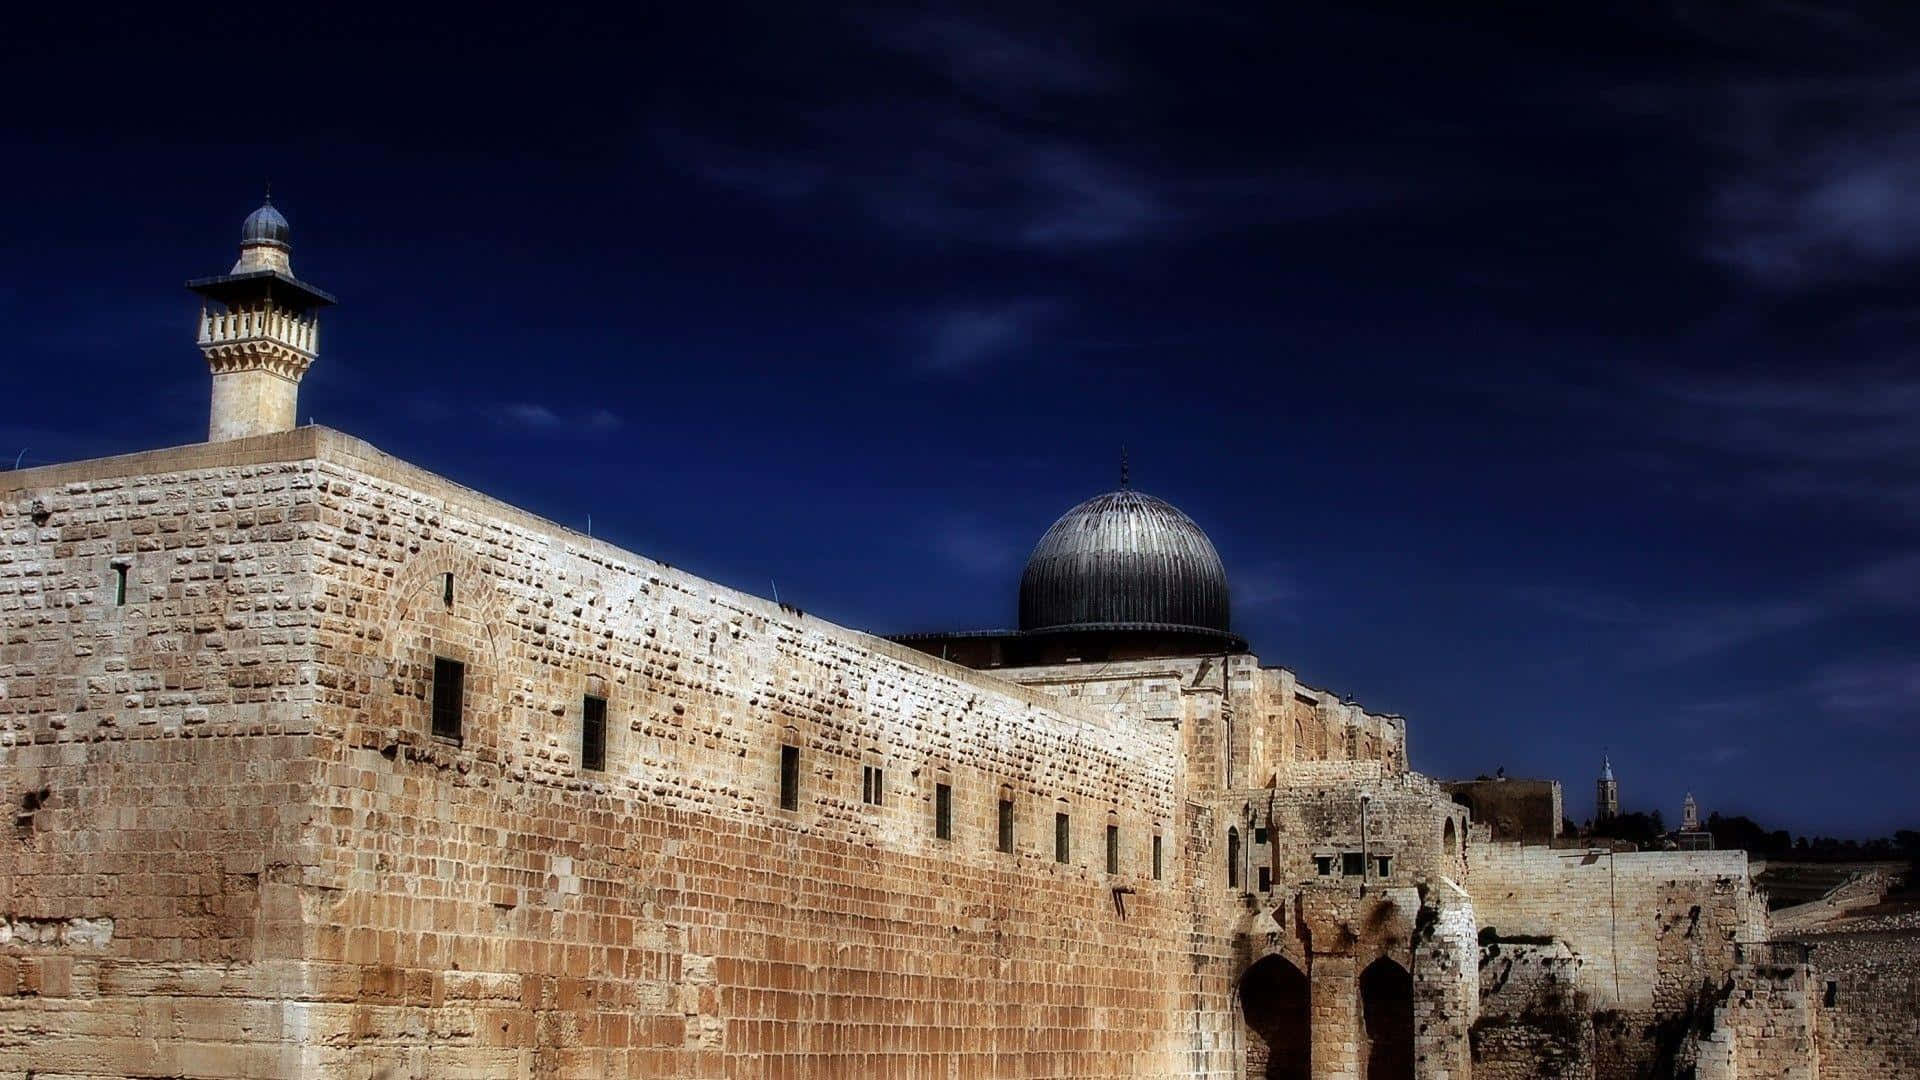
(1124, 560)
(267, 226)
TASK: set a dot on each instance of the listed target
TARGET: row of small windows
(1351, 863)
(449, 694)
(873, 793)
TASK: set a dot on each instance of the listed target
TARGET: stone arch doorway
(1275, 1000)
(1386, 1021)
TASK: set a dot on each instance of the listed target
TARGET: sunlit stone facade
(306, 780)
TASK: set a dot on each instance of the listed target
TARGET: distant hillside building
(1606, 794)
(1690, 836)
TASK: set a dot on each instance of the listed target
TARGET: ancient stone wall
(1446, 991)
(513, 913)
(1767, 1020)
(157, 694)
(1648, 927)
(1534, 1022)
(1867, 992)
(1654, 933)
(241, 851)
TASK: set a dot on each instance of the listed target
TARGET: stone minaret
(1606, 793)
(259, 329)
(1689, 815)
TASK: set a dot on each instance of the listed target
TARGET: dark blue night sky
(1543, 372)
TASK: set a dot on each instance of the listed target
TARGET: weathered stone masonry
(290, 851)
(296, 740)
(239, 850)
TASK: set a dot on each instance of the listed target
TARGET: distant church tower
(1689, 815)
(1606, 794)
(259, 329)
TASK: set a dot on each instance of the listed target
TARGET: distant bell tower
(260, 330)
(1606, 793)
(1689, 815)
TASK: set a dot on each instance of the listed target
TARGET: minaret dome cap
(267, 225)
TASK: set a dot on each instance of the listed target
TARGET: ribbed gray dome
(1124, 559)
(267, 226)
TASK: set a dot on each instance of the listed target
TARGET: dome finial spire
(1124, 480)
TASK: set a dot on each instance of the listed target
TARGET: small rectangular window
(1156, 857)
(1352, 864)
(1323, 865)
(449, 688)
(789, 778)
(872, 785)
(1266, 879)
(593, 732)
(1006, 826)
(943, 811)
(1383, 866)
(1113, 849)
(1833, 993)
(119, 586)
(1260, 835)
(446, 589)
(1062, 848)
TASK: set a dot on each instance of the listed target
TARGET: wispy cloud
(1890, 584)
(535, 417)
(1879, 693)
(1583, 605)
(1721, 754)
(1677, 633)
(1007, 140)
(963, 339)
(1824, 181)
(1845, 438)
(974, 546)
(995, 60)
(1267, 588)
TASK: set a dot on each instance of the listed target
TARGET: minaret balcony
(271, 338)
(280, 327)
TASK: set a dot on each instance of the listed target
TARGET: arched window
(1447, 837)
(1233, 858)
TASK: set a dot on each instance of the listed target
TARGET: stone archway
(1275, 999)
(1386, 1021)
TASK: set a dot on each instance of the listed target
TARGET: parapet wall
(1274, 723)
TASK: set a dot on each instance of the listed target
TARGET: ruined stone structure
(1523, 811)
(324, 765)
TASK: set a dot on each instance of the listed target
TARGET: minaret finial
(1124, 479)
